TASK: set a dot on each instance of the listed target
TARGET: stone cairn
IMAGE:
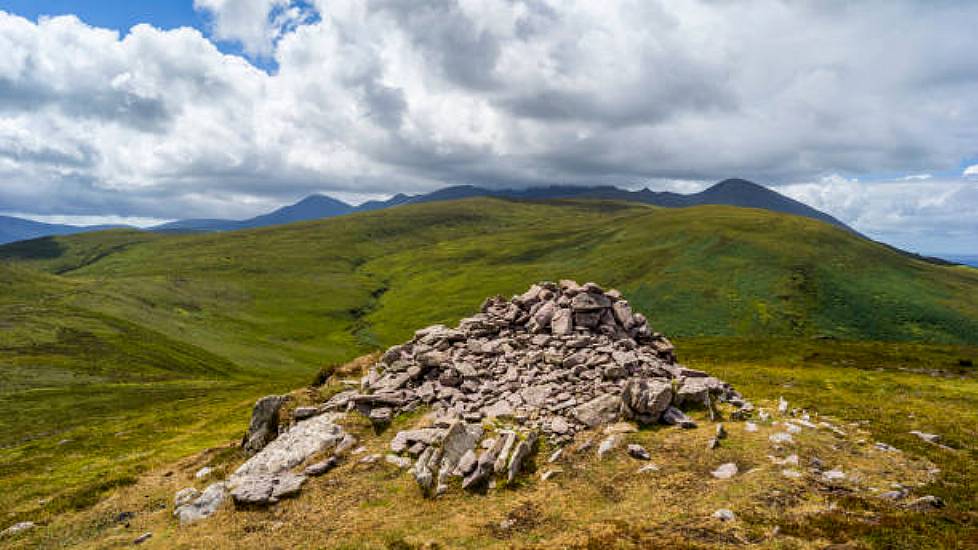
(554, 361)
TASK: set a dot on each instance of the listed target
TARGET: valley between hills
(124, 354)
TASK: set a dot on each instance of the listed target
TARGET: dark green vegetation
(139, 348)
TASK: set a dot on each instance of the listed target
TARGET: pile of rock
(555, 360)
(558, 359)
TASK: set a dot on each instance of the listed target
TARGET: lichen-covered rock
(204, 505)
(264, 423)
(293, 447)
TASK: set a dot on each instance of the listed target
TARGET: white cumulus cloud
(377, 97)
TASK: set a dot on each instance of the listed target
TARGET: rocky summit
(553, 361)
(558, 359)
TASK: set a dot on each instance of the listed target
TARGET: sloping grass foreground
(876, 392)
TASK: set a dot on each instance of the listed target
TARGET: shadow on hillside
(43, 248)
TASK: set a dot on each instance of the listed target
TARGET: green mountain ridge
(159, 336)
(700, 271)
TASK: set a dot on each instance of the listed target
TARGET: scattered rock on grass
(925, 503)
(17, 528)
(608, 444)
(638, 452)
(321, 467)
(723, 514)
(725, 471)
(929, 438)
(399, 461)
(782, 406)
(834, 474)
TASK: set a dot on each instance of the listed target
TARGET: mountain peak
(318, 199)
(736, 185)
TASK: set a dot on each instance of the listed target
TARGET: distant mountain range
(732, 192)
(19, 229)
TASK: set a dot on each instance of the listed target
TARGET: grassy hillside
(88, 400)
(330, 289)
(122, 349)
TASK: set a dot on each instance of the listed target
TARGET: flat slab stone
(293, 447)
(258, 490)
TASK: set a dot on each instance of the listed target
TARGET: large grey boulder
(204, 505)
(645, 400)
(460, 439)
(603, 409)
(266, 489)
(264, 423)
(293, 447)
(509, 439)
(405, 439)
(676, 417)
(265, 477)
(698, 392)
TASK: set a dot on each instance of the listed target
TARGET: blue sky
(114, 14)
(122, 15)
(868, 111)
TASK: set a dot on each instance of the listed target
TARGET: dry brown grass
(591, 503)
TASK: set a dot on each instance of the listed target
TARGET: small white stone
(725, 471)
(608, 445)
(724, 514)
(782, 406)
(399, 461)
(203, 472)
(18, 528)
(833, 475)
(750, 427)
(555, 456)
(648, 468)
